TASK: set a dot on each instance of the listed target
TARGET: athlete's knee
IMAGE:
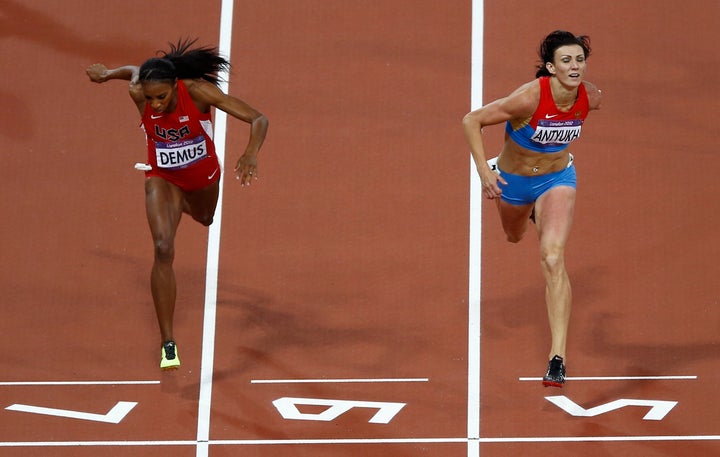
(552, 259)
(204, 219)
(514, 221)
(202, 211)
(164, 250)
(515, 237)
(514, 233)
(207, 222)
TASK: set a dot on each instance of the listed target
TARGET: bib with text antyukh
(549, 129)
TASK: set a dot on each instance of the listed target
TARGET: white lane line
(475, 227)
(538, 439)
(95, 443)
(597, 439)
(75, 383)
(213, 252)
(620, 378)
(333, 381)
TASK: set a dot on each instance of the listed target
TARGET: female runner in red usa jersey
(534, 176)
(174, 95)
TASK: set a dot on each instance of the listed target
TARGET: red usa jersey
(180, 143)
(549, 129)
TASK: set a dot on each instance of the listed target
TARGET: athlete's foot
(169, 356)
(555, 376)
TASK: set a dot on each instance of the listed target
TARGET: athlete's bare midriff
(520, 161)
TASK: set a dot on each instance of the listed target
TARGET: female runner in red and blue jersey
(174, 95)
(534, 177)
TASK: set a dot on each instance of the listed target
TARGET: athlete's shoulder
(525, 99)
(203, 93)
(199, 85)
(192, 83)
(529, 89)
(594, 95)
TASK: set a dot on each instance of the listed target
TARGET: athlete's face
(568, 64)
(160, 95)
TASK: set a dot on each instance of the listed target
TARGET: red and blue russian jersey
(180, 144)
(549, 129)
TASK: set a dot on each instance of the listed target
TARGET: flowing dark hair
(555, 40)
(182, 62)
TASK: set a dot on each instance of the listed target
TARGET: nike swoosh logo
(155, 117)
(547, 116)
(213, 174)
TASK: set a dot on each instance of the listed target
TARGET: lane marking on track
(621, 378)
(474, 245)
(116, 414)
(76, 383)
(539, 439)
(213, 253)
(333, 381)
(334, 408)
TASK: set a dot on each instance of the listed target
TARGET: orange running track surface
(348, 259)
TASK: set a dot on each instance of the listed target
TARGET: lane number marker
(288, 409)
(658, 408)
(114, 416)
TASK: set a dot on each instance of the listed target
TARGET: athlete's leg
(201, 204)
(514, 219)
(554, 212)
(515, 205)
(164, 207)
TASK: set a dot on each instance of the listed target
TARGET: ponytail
(181, 62)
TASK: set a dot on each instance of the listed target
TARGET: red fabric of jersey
(549, 129)
(180, 144)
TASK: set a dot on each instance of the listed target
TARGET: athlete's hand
(97, 73)
(489, 180)
(246, 169)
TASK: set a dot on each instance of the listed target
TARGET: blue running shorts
(524, 190)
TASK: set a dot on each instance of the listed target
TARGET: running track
(349, 260)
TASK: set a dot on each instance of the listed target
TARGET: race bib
(557, 132)
(180, 154)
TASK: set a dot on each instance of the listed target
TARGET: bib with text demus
(180, 154)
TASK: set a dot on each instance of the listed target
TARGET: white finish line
(538, 439)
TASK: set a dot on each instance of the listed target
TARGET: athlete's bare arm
(206, 95)
(99, 73)
(520, 104)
